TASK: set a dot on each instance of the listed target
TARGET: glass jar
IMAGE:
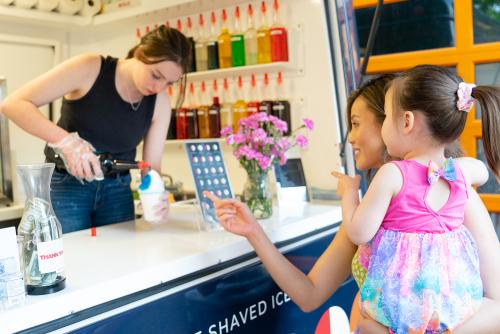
(43, 254)
(257, 194)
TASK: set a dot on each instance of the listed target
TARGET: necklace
(134, 105)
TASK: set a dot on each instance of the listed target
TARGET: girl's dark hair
(164, 44)
(432, 90)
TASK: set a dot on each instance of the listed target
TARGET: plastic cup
(149, 202)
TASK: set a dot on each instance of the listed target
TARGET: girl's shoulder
(474, 170)
(390, 175)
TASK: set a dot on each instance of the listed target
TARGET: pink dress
(423, 273)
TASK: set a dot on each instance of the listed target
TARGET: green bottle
(237, 42)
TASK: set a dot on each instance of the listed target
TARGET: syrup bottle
(251, 48)
(181, 129)
(203, 122)
(110, 165)
(226, 109)
(253, 105)
(200, 47)
(281, 106)
(266, 105)
(224, 40)
(263, 37)
(240, 106)
(213, 46)
(192, 62)
(214, 114)
(172, 125)
(237, 41)
(279, 43)
(192, 115)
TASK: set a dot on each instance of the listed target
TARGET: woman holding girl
(366, 114)
(423, 268)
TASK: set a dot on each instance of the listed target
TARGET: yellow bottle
(224, 41)
(263, 38)
(239, 107)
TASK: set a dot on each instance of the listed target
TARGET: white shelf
(146, 6)
(182, 141)
(282, 66)
(35, 16)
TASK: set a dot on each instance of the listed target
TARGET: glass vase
(42, 245)
(257, 194)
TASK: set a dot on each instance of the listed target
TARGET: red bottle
(181, 123)
(180, 119)
(279, 38)
(171, 133)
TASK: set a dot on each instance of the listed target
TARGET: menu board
(209, 174)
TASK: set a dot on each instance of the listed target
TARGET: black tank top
(104, 119)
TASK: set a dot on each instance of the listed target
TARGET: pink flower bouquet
(258, 144)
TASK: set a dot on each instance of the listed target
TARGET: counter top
(129, 257)
(11, 212)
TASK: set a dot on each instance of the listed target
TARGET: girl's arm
(154, 140)
(73, 78)
(308, 292)
(363, 221)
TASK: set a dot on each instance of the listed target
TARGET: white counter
(11, 212)
(133, 256)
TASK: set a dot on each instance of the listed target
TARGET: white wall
(26, 52)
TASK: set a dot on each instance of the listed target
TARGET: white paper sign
(9, 253)
(50, 256)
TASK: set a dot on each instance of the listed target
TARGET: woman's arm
(485, 320)
(308, 292)
(154, 141)
(475, 171)
(73, 77)
(478, 221)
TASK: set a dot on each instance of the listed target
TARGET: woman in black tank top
(109, 105)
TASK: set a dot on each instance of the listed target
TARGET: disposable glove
(78, 157)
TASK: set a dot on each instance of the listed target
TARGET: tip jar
(43, 254)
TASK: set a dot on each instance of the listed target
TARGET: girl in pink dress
(423, 273)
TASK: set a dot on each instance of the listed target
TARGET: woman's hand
(234, 216)
(346, 183)
(162, 208)
(78, 157)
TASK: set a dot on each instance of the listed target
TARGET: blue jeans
(92, 204)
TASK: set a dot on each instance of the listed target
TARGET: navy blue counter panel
(243, 301)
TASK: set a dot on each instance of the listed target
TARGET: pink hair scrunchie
(465, 99)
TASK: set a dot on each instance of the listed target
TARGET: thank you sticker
(50, 256)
